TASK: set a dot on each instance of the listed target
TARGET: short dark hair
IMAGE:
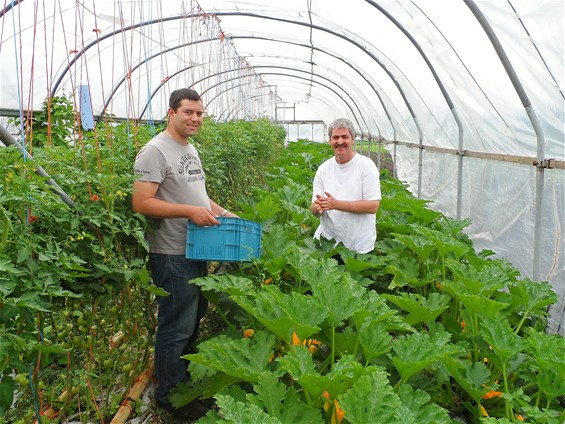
(342, 123)
(181, 94)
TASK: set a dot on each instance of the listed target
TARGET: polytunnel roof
(419, 71)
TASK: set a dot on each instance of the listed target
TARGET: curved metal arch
(364, 76)
(540, 137)
(359, 93)
(330, 108)
(446, 97)
(253, 15)
(320, 100)
(232, 79)
(302, 71)
(325, 79)
(342, 36)
(9, 7)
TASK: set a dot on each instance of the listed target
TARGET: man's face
(342, 143)
(187, 119)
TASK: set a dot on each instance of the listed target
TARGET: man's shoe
(190, 412)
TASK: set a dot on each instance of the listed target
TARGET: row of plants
(425, 329)
(77, 308)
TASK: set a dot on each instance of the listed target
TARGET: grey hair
(341, 123)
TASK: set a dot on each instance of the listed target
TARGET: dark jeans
(178, 318)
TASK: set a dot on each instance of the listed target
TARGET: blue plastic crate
(234, 240)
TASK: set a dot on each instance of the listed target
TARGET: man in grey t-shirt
(171, 188)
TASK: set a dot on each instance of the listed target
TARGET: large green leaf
(549, 353)
(422, 411)
(315, 272)
(498, 334)
(421, 246)
(244, 358)
(445, 243)
(420, 308)
(345, 371)
(227, 283)
(341, 298)
(532, 297)
(476, 304)
(232, 411)
(7, 388)
(415, 352)
(267, 208)
(297, 362)
(371, 400)
(472, 377)
(283, 314)
(406, 272)
(282, 402)
(374, 339)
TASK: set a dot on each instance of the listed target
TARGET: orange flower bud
(492, 394)
(519, 417)
(483, 411)
(338, 412)
(248, 333)
(268, 281)
(326, 404)
(295, 339)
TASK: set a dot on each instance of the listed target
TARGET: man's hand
(202, 216)
(326, 203)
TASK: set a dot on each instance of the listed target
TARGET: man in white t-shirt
(346, 193)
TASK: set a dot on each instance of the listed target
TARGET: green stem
(333, 346)
(5, 228)
(519, 326)
(507, 406)
(223, 316)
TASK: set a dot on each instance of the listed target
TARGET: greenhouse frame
(467, 97)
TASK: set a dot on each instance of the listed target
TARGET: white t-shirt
(357, 179)
(178, 170)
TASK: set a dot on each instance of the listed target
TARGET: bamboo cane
(134, 393)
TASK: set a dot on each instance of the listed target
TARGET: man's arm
(144, 202)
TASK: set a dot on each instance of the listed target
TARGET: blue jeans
(178, 318)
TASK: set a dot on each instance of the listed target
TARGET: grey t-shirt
(178, 170)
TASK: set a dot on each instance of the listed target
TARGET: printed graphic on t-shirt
(191, 167)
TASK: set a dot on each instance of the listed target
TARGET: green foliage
(77, 312)
(424, 329)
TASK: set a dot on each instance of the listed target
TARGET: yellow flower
(519, 417)
(295, 339)
(492, 394)
(339, 414)
(248, 333)
(326, 404)
(483, 411)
